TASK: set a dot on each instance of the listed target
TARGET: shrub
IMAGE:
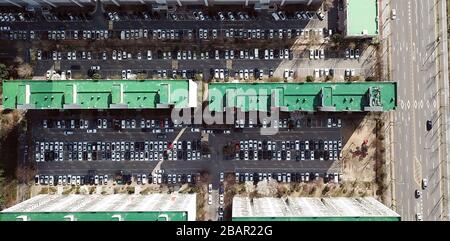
(309, 78)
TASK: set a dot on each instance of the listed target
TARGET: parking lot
(63, 143)
(137, 43)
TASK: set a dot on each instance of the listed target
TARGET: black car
(308, 122)
(311, 145)
(251, 155)
(429, 125)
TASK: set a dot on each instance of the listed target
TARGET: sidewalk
(385, 74)
(444, 100)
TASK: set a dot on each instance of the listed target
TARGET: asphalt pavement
(418, 153)
(216, 164)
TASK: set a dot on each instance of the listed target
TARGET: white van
(256, 54)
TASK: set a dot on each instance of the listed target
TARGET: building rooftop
(117, 203)
(362, 18)
(304, 208)
(103, 94)
(345, 96)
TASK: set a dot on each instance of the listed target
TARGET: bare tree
(18, 60)
(25, 71)
(313, 40)
(352, 45)
(328, 4)
(25, 174)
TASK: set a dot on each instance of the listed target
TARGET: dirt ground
(358, 159)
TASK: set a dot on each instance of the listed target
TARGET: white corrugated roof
(310, 207)
(102, 203)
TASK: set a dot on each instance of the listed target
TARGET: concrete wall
(53, 3)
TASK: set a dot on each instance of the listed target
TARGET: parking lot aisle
(158, 166)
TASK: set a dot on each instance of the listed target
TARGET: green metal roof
(345, 96)
(362, 18)
(94, 94)
(96, 216)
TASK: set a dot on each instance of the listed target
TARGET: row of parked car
(49, 151)
(117, 151)
(10, 17)
(323, 72)
(74, 180)
(140, 179)
(200, 15)
(245, 74)
(103, 123)
(168, 34)
(298, 145)
(300, 15)
(161, 177)
(287, 177)
(331, 122)
(288, 150)
(63, 16)
(352, 53)
(249, 54)
(203, 34)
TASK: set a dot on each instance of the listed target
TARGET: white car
(159, 178)
(393, 14)
(149, 55)
(144, 179)
(209, 199)
(424, 183)
(128, 73)
(419, 217)
(221, 199)
(286, 73)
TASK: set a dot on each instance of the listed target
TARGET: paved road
(417, 152)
